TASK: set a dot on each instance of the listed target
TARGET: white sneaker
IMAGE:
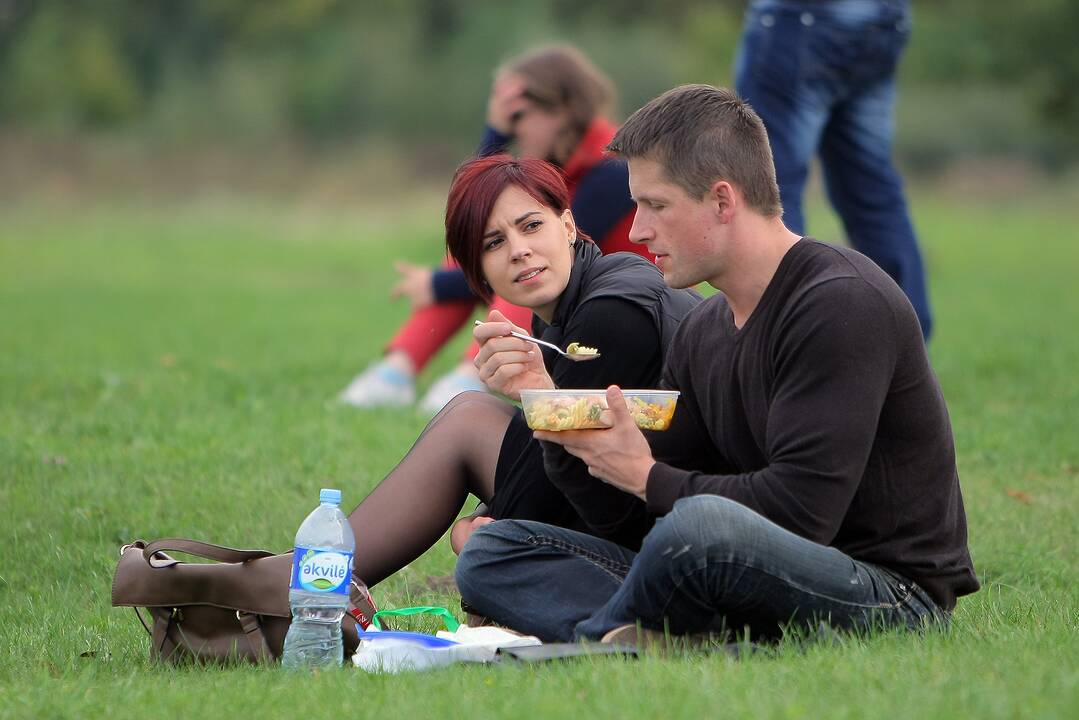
(448, 387)
(380, 385)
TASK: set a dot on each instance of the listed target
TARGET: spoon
(576, 357)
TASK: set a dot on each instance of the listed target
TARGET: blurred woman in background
(553, 104)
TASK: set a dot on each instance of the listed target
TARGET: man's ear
(724, 200)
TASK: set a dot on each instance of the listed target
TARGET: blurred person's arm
(415, 284)
(503, 105)
(449, 284)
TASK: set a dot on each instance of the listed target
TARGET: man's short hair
(701, 134)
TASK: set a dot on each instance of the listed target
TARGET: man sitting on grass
(809, 473)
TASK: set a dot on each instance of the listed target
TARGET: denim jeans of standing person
(711, 564)
(821, 74)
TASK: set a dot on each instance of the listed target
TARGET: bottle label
(321, 571)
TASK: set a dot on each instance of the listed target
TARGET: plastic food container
(581, 409)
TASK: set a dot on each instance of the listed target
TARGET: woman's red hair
(476, 186)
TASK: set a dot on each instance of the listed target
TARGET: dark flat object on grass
(563, 651)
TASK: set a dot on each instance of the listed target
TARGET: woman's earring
(573, 239)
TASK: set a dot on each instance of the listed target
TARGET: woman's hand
(506, 100)
(507, 364)
(416, 284)
(462, 530)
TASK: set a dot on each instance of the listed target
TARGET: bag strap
(154, 553)
(253, 631)
(160, 633)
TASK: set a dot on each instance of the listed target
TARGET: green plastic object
(447, 617)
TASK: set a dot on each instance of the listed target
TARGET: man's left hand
(619, 456)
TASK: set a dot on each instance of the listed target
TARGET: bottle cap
(329, 496)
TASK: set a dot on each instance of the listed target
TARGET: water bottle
(318, 593)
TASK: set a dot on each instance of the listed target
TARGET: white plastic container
(583, 409)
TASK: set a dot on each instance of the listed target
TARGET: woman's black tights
(412, 507)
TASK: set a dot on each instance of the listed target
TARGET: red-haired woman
(510, 227)
(552, 103)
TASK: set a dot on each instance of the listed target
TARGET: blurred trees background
(980, 78)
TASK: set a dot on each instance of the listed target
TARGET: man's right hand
(507, 364)
(619, 456)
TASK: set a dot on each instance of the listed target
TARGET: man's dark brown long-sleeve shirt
(822, 414)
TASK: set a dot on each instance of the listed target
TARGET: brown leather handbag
(234, 609)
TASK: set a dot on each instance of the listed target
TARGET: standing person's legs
(856, 158)
(867, 192)
(776, 74)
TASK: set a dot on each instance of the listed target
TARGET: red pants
(427, 330)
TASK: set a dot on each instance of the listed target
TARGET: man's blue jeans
(822, 77)
(711, 564)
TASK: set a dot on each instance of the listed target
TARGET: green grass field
(168, 369)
